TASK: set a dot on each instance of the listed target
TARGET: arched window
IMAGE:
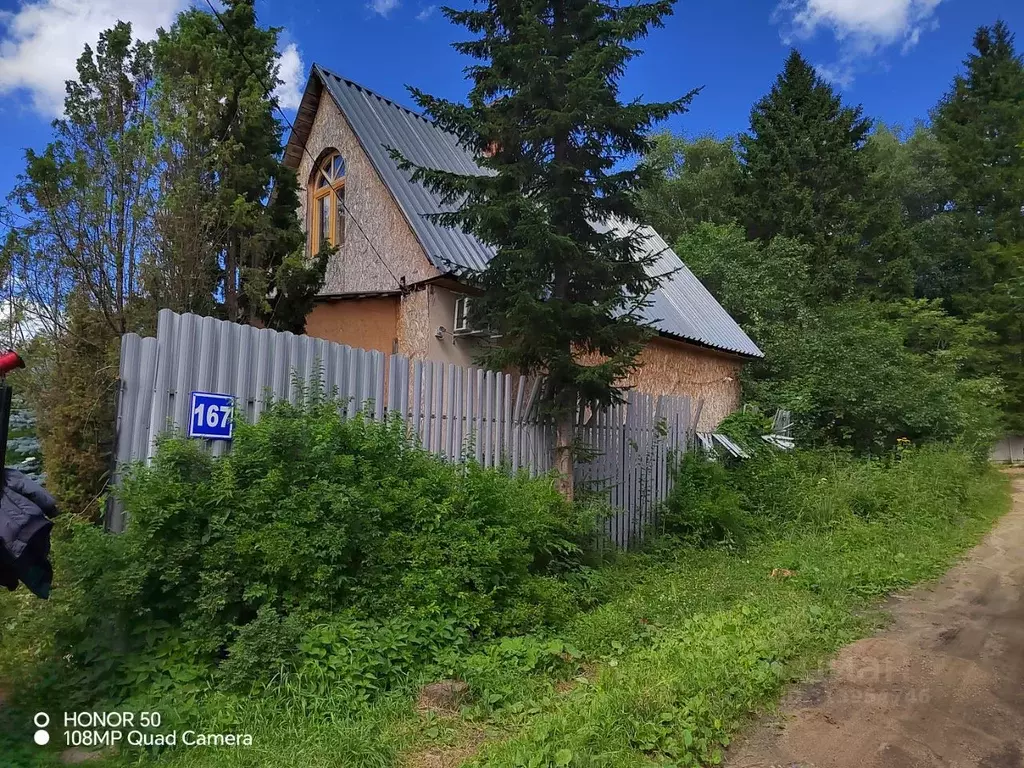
(328, 202)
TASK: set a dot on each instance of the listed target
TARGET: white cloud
(292, 73)
(863, 28)
(383, 7)
(41, 41)
(426, 13)
(839, 74)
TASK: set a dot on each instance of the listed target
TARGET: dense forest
(880, 269)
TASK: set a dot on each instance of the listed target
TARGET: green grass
(698, 646)
(686, 645)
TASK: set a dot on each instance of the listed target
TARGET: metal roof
(681, 307)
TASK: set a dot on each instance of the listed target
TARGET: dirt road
(943, 686)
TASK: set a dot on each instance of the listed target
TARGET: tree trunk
(565, 394)
(563, 455)
(230, 279)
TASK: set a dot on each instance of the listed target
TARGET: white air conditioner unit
(460, 326)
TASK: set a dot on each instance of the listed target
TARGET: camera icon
(41, 736)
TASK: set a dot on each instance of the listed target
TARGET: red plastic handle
(10, 360)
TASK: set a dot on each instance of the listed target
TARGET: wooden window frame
(317, 194)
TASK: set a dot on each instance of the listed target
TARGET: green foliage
(228, 219)
(162, 187)
(696, 182)
(697, 641)
(88, 197)
(87, 202)
(505, 671)
(72, 390)
(316, 540)
(763, 286)
(368, 658)
(746, 426)
(878, 221)
(804, 173)
(684, 644)
(702, 509)
(858, 374)
(565, 296)
(980, 124)
(862, 375)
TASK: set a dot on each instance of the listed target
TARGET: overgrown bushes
(314, 533)
(703, 508)
(329, 567)
(775, 493)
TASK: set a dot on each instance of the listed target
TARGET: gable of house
(381, 252)
(681, 308)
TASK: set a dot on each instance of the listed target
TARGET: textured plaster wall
(355, 267)
(408, 325)
(459, 350)
(414, 332)
(369, 323)
(675, 368)
(667, 367)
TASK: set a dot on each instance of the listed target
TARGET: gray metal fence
(1009, 450)
(455, 412)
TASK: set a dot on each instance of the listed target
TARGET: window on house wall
(328, 202)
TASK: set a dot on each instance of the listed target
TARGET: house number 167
(210, 416)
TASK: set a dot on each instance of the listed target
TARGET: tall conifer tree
(563, 291)
(804, 174)
(980, 125)
(229, 206)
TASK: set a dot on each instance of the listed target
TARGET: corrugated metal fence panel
(203, 354)
(633, 448)
(451, 411)
(134, 403)
(1009, 450)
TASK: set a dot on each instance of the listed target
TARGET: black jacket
(25, 512)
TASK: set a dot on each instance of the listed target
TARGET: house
(394, 283)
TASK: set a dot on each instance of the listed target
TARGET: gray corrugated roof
(681, 307)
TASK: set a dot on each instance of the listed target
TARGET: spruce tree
(804, 175)
(563, 291)
(980, 125)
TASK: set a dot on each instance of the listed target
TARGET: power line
(266, 92)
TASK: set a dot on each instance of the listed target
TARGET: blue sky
(896, 57)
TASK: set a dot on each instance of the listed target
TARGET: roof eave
(712, 347)
(303, 122)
